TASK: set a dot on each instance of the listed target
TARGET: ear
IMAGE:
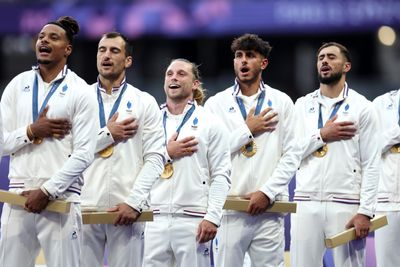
(128, 62)
(264, 63)
(68, 50)
(196, 84)
(346, 67)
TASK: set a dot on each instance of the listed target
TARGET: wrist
(30, 133)
(44, 191)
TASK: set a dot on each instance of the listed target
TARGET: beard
(334, 78)
(43, 61)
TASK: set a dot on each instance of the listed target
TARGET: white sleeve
(306, 142)
(390, 135)
(290, 159)
(237, 137)
(104, 139)
(84, 131)
(14, 139)
(1, 136)
(153, 151)
(219, 162)
(370, 155)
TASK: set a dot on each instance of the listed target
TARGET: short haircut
(248, 42)
(128, 45)
(343, 50)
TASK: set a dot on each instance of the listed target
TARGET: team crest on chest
(129, 106)
(194, 123)
(64, 89)
(346, 109)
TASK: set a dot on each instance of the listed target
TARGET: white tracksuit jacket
(349, 172)
(137, 161)
(200, 183)
(55, 164)
(276, 160)
(387, 107)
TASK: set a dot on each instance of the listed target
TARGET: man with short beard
(48, 128)
(129, 158)
(337, 181)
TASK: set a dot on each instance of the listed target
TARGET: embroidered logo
(346, 109)
(232, 110)
(311, 110)
(269, 103)
(27, 88)
(390, 106)
(129, 106)
(63, 90)
(195, 122)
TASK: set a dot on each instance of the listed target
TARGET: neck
(176, 107)
(332, 90)
(49, 73)
(109, 84)
(249, 89)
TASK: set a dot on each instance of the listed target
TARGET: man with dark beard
(337, 181)
(48, 133)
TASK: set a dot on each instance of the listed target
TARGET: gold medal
(395, 148)
(168, 171)
(37, 140)
(249, 150)
(321, 152)
(106, 152)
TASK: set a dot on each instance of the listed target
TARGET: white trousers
(24, 233)
(170, 240)
(125, 245)
(315, 221)
(387, 241)
(262, 236)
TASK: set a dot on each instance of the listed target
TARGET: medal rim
(395, 149)
(249, 153)
(321, 152)
(168, 171)
(107, 152)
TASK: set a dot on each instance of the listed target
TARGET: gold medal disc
(168, 171)
(107, 152)
(249, 150)
(37, 140)
(395, 148)
(321, 152)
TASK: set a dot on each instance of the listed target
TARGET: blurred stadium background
(202, 31)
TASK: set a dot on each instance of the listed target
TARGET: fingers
(127, 121)
(333, 118)
(44, 112)
(25, 193)
(173, 137)
(112, 209)
(251, 112)
(187, 140)
(205, 233)
(114, 117)
(265, 111)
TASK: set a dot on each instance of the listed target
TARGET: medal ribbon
(35, 104)
(114, 108)
(260, 102)
(185, 119)
(334, 111)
